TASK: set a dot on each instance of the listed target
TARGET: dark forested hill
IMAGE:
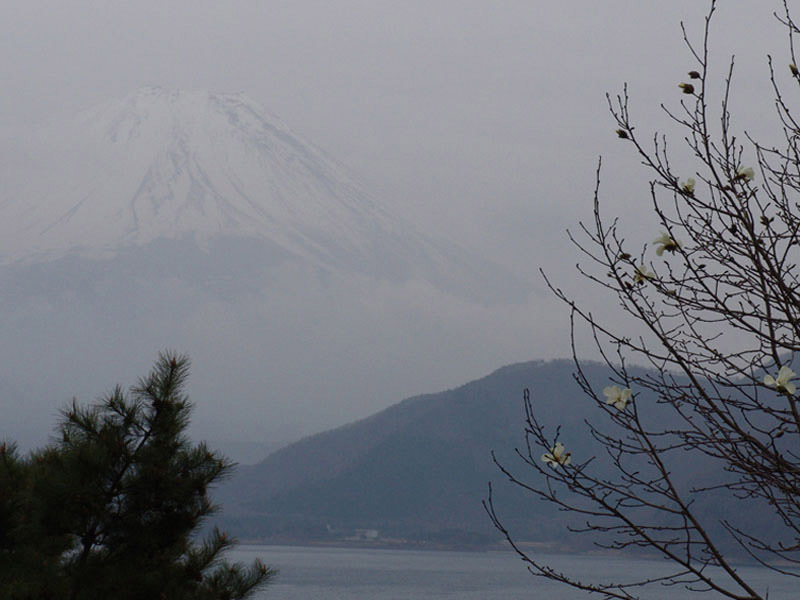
(417, 470)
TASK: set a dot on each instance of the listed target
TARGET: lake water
(314, 573)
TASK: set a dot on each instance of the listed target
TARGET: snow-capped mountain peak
(175, 164)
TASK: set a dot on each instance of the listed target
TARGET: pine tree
(110, 510)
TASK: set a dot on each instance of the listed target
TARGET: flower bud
(694, 75)
(687, 88)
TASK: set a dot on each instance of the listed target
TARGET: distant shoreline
(545, 548)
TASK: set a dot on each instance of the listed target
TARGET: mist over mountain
(199, 222)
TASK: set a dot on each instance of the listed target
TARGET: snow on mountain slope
(189, 164)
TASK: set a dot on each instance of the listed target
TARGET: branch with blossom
(718, 330)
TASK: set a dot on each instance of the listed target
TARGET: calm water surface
(351, 573)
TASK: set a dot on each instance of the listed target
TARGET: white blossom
(666, 242)
(557, 456)
(745, 173)
(618, 396)
(688, 186)
(641, 274)
(781, 382)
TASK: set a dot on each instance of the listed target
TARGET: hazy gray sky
(477, 120)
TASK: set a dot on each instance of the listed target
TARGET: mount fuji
(193, 165)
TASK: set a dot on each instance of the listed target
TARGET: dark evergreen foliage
(109, 509)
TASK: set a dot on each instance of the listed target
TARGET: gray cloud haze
(480, 122)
